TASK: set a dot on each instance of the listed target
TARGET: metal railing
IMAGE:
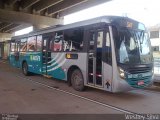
(157, 66)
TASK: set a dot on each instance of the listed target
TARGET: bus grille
(134, 82)
(139, 70)
(139, 76)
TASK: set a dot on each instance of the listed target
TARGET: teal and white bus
(110, 53)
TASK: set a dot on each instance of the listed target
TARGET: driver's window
(145, 45)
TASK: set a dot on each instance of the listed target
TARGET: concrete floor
(20, 95)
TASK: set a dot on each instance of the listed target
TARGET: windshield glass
(132, 46)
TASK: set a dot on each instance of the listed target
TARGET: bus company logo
(34, 58)
(57, 62)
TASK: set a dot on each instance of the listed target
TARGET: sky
(24, 31)
(145, 11)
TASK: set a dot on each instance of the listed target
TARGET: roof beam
(5, 26)
(25, 18)
(19, 27)
(42, 5)
(64, 5)
(28, 3)
(82, 6)
(1, 4)
(12, 28)
(11, 2)
(2, 24)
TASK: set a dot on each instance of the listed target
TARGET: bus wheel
(25, 69)
(77, 80)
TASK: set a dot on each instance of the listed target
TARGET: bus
(110, 53)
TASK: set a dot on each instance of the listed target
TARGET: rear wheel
(25, 69)
(77, 80)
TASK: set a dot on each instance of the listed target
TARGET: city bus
(110, 53)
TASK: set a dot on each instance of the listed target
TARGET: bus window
(108, 43)
(31, 44)
(23, 45)
(100, 40)
(18, 46)
(73, 40)
(58, 41)
(92, 41)
(39, 43)
(12, 46)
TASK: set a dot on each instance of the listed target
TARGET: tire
(25, 69)
(77, 80)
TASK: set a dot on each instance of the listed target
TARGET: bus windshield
(132, 46)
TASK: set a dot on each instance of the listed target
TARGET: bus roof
(103, 19)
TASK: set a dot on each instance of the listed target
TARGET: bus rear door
(46, 53)
(17, 54)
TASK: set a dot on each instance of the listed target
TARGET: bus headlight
(121, 73)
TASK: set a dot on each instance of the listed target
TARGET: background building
(154, 33)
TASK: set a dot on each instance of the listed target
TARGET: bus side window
(39, 43)
(31, 44)
(91, 41)
(15, 47)
(100, 40)
(108, 43)
(12, 49)
(23, 45)
(73, 40)
(58, 41)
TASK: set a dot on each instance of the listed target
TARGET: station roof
(17, 14)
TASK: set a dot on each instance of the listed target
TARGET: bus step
(47, 76)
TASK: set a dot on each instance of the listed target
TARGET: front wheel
(25, 69)
(77, 80)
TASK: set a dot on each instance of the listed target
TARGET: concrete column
(5, 36)
(1, 50)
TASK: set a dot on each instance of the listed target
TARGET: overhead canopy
(17, 14)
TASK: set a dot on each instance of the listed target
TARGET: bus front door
(95, 64)
(17, 54)
(46, 54)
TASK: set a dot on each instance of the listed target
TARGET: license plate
(140, 82)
